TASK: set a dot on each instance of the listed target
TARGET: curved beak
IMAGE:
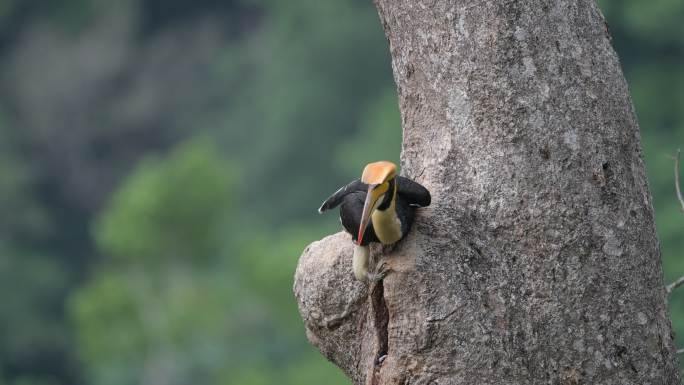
(368, 206)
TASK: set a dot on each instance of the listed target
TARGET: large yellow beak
(371, 199)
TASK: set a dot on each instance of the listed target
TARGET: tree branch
(676, 172)
(670, 288)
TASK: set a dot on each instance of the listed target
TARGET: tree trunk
(538, 261)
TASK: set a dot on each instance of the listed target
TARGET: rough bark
(538, 261)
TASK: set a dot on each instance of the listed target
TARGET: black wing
(414, 193)
(338, 196)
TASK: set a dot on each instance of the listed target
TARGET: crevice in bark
(381, 322)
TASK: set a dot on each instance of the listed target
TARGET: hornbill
(379, 207)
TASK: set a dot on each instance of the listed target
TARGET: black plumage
(351, 198)
(350, 216)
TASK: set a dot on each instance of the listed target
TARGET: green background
(161, 163)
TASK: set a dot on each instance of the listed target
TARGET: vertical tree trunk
(538, 261)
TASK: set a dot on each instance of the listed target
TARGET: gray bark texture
(538, 260)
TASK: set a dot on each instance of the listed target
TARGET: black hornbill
(379, 207)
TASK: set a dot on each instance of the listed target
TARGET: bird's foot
(386, 249)
(380, 273)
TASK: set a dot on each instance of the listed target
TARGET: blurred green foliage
(189, 303)
(161, 162)
(169, 208)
